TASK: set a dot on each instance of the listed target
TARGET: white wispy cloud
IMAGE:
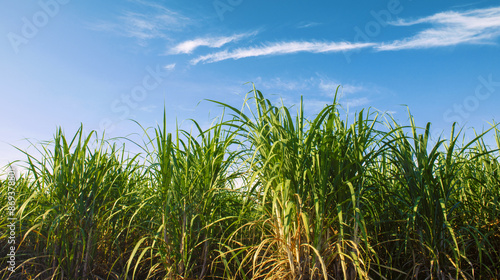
(330, 87)
(212, 42)
(286, 84)
(346, 91)
(390, 112)
(355, 102)
(307, 24)
(479, 26)
(156, 22)
(318, 105)
(319, 83)
(280, 48)
(350, 95)
(148, 108)
(315, 106)
(169, 67)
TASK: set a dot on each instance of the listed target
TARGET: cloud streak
(169, 67)
(308, 24)
(479, 26)
(156, 23)
(211, 42)
(330, 87)
(450, 28)
(280, 48)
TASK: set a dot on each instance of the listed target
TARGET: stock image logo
(31, 26)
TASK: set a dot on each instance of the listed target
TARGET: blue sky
(66, 62)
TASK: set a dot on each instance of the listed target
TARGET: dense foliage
(260, 195)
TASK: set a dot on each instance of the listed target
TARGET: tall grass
(263, 193)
